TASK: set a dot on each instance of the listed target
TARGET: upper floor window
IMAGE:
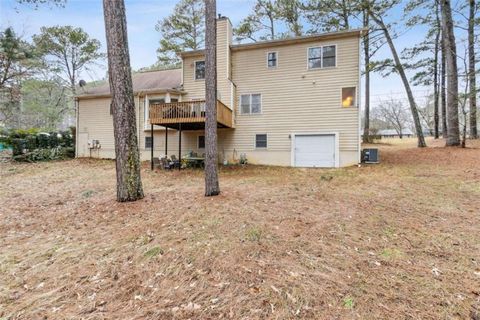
(322, 57)
(250, 103)
(199, 70)
(272, 59)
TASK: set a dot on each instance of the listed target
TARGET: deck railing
(187, 112)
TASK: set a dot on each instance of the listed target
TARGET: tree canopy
(68, 49)
(183, 30)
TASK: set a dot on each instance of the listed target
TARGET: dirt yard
(399, 240)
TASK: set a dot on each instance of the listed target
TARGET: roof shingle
(142, 81)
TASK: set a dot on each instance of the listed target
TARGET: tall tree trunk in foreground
(453, 130)
(471, 71)
(129, 183)
(212, 187)
(366, 49)
(401, 71)
(436, 117)
(443, 91)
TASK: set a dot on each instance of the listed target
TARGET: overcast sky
(142, 16)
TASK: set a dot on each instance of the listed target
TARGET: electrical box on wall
(94, 144)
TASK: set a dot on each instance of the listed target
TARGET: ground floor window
(201, 142)
(148, 142)
(260, 141)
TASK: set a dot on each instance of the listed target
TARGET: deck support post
(151, 148)
(180, 146)
(166, 142)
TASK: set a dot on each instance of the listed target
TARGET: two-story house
(289, 102)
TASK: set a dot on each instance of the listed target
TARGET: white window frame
(250, 103)
(321, 57)
(198, 141)
(255, 141)
(195, 70)
(276, 59)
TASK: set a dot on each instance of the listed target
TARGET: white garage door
(315, 150)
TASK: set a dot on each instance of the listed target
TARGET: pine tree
(212, 187)
(377, 11)
(183, 30)
(260, 24)
(129, 183)
(471, 70)
(453, 130)
(424, 56)
(290, 11)
(69, 49)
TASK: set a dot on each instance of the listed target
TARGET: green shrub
(32, 145)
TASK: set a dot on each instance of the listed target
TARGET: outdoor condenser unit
(370, 156)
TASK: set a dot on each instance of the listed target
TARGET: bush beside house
(32, 145)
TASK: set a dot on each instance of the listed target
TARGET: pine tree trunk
(366, 48)
(471, 71)
(443, 90)
(453, 130)
(212, 187)
(436, 117)
(129, 184)
(401, 71)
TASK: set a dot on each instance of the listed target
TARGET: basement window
(148, 142)
(261, 141)
(200, 70)
(201, 142)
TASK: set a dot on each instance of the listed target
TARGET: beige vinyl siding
(196, 88)
(95, 120)
(294, 98)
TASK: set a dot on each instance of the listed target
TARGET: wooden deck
(188, 114)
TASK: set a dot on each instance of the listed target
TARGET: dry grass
(399, 240)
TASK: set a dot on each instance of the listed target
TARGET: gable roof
(149, 81)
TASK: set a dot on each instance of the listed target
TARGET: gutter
(135, 93)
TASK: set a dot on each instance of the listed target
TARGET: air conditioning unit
(370, 156)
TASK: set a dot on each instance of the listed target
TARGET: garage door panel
(314, 150)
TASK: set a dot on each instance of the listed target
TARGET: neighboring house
(289, 102)
(392, 133)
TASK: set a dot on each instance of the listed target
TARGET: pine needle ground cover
(390, 241)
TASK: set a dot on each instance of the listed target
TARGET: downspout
(138, 122)
(359, 95)
(77, 116)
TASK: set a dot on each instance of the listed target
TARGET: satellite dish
(82, 83)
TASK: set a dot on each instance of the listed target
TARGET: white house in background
(288, 102)
(392, 133)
